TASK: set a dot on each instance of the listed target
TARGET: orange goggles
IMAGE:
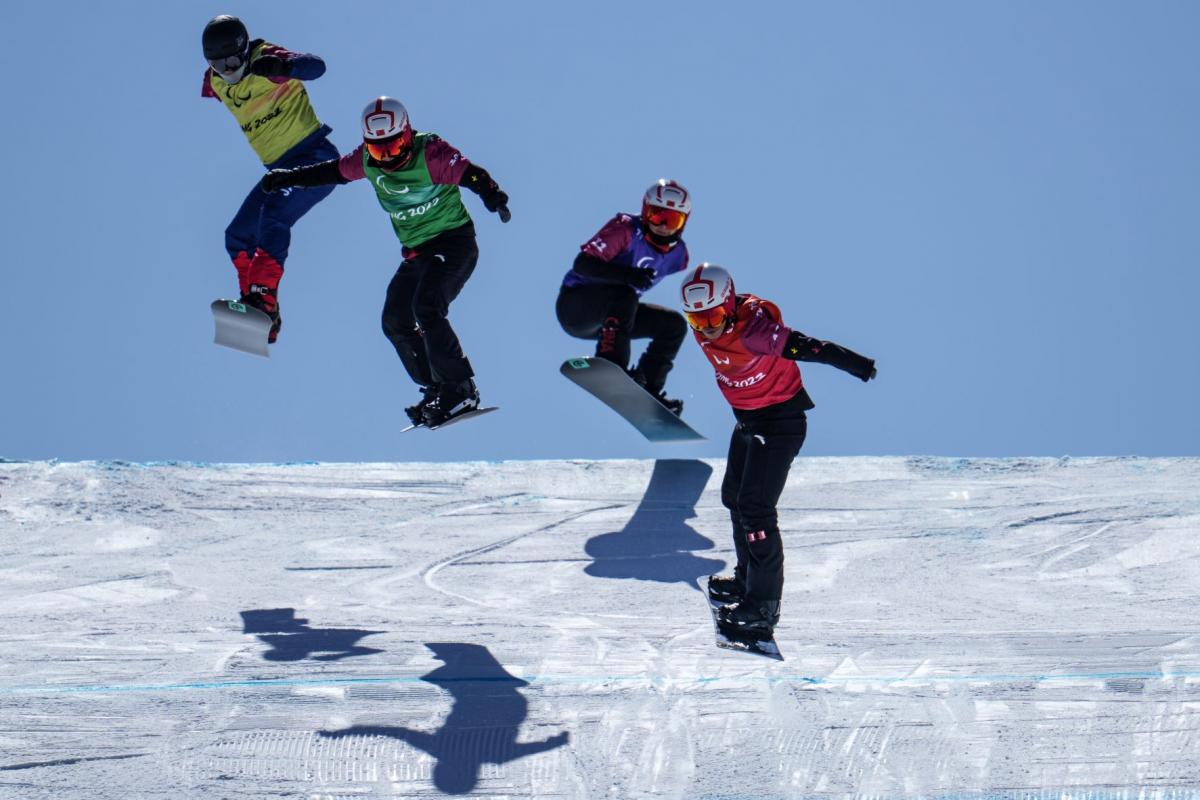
(669, 217)
(390, 149)
(715, 317)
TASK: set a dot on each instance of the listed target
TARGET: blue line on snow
(594, 680)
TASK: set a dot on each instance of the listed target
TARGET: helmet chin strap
(393, 166)
(731, 318)
(662, 243)
(396, 163)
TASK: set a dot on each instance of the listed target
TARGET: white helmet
(668, 194)
(384, 118)
(709, 299)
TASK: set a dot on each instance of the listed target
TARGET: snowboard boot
(726, 588)
(276, 325)
(416, 413)
(751, 616)
(451, 400)
(264, 300)
(673, 405)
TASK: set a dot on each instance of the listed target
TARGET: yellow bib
(274, 116)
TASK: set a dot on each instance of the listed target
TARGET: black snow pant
(761, 452)
(418, 300)
(612, 315)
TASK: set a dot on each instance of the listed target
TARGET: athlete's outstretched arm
(321, 174)
(799, 347)
(281, 64)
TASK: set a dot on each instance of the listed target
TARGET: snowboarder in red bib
(416, 177)
(754, 355)
(600, 298)
(262, 86)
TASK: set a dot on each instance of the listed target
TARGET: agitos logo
(238, 100)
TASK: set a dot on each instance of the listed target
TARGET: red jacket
(747, 358)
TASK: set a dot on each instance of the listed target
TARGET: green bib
(420, 209)
(274, 116)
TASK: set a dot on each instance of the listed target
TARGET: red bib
(748, 378)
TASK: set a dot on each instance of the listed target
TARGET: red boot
(263, 288)
(241, 262)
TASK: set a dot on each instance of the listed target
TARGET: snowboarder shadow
(292, 640)
(657, 544)
(483, 723)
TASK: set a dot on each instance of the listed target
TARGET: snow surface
(952, 628)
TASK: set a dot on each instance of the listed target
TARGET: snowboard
(612, 386)
(729, 638)
(458, 418)
(241, 327)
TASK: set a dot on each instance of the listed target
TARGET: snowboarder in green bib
(416, 177)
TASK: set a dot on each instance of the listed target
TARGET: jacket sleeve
(477, 179)
(206, 89)
(301, 66)
(611, 240)
(799, 347)
(320, 174)
(445, 163)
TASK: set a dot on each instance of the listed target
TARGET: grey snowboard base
(465, 415)
(729, 638)
(612, 386)
(241, 327)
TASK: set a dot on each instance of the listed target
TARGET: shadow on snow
(657, 544)
(292, 640)
(483, 723)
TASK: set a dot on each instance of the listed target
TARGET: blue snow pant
(264, 222)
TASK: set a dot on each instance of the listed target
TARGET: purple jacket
(623, 243)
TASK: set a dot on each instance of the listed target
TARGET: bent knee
(757, 518)
(428, 313)
(395, 328)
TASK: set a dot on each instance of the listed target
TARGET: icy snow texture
(952, 628)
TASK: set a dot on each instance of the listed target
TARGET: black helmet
(225, 36)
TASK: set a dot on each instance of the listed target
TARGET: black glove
(269, 66)
(870, 374)
(493, 199)
(505, 214)
(640, 278)
(277, 179)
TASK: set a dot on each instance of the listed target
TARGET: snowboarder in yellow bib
(416, 177)
(262, 86)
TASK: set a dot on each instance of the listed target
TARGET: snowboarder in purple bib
(262, 85)
(600, 297)
(416, 177)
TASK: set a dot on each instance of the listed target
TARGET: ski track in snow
(952, 628)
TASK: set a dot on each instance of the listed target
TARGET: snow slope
(952, 628)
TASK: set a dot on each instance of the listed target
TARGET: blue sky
(997, 201)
